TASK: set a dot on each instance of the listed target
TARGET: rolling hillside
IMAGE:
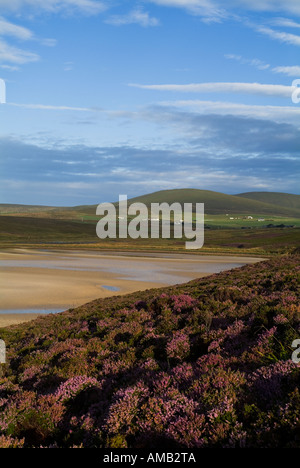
(51, 212)
(286, 200)
(11, 209)
(219, 203)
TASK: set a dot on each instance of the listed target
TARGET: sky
(108, 97)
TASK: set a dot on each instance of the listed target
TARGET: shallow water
(145, 270)
(110, 288)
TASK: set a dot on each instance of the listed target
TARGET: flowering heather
(72, 387)
(205, 364)
(179, 346)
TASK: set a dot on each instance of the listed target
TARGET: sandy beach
(35, 280)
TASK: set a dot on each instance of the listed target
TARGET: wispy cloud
(289, 6)
(89, 7)
(10, 29)
(281, 36)
(285, 22)
(209, 10)
(15, 55)
(245, 88)
(49, 42)
(10, 53)
(290, 71)
(260, 65)
(53, 108)
(68, 66)
(10, 67)
(287, 114)
(217, 10)
(137, 16)
(253, 62)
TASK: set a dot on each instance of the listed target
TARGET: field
(218, 237)
(207, 364)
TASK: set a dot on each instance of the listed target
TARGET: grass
(46, 233)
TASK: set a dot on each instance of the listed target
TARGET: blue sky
(129, 97)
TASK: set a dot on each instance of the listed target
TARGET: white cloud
(10, 67)
(207, 9)
(15, 55)
(52, 108)
(279, 35)
(290, 6)
(246, 88)
(89, 7)
(290, 71)
(10, 29)
(286, 114)
(9, 53)
(216, 9)
(285, 22)
(49, 42)
(286, 70)
(253, 62)
(68, 66)
(134, 17)
(188, 4)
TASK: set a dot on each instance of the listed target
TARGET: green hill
(54, 212)
(286, 200)
(6, 208)
(218, 203)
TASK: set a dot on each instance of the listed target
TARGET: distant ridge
(250, 203)
(19, 208)
(221, 203)
(286, 200)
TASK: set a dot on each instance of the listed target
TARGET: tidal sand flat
(44, 280)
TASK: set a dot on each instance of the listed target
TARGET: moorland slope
(203, 364)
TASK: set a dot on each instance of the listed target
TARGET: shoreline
(8, 320)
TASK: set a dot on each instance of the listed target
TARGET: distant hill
(7, 208)
(286, 200)
(220, 203)
(252, 203)
(54, 212)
